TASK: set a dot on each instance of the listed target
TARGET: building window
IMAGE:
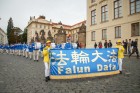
(104, 13)
(93, 35)
(93, 17)
(104, 34)
(118, 32)
(134, 6)
(135, 29)
(117, 8)
(92, 1)
(76, 36)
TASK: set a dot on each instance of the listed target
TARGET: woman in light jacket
(120, 55)
(47, 60)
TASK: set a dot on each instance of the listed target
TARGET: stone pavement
(21, 75)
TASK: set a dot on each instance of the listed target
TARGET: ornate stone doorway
(82, 36)
(60, 37)
(42, 36)
(50, 36)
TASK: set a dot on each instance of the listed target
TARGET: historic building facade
(56, 32)
(3, 37)
(112, 20)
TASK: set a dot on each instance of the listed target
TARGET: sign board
(79, 63)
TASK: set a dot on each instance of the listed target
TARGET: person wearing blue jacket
(1, 48)
(20, 49)
(30, 47)
(41, 49)
(24, 49)
(27, 51)
(58, 46)
(7, 48)
(36, 48)
(68, 45)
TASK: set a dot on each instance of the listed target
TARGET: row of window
(135, 31)
(134, 8)
(92, 1)
(42, 26)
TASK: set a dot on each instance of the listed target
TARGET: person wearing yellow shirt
(120, 55)
(47, 60)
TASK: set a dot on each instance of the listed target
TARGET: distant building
(57, 32)
(112, 20)
(3, 37)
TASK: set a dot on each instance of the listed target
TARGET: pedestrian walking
(120, 55)
(109, 44)
(105, 44)
(47, 60)
(30, 50)
(27, 51)
(129, 46)
(135, 48)
(125, 46)
(78, 45)
(95, 45)
(23, 49)
(100, 45)
(41, 49)
(36, 48)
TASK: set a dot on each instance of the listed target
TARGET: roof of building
(79, 23)
(56, 24)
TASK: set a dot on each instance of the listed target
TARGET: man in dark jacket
(105, 44)
(110, 44)
(135, 48)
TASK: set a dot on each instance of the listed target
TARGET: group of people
(125, 47)
(106, 44)
(131, 47)
(26, 50)
(32, 51)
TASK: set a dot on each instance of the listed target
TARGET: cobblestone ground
(21, 75)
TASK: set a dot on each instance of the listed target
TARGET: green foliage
(24, 36)
(9, 30)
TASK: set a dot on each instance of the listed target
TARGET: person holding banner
(120, 54)
(47, 60)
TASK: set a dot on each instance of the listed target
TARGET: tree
(12, 38)
(24, 36)
(9, 29)
(15, 35)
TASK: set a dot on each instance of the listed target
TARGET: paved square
(21, 75)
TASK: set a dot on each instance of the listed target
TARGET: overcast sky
(67, 11)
